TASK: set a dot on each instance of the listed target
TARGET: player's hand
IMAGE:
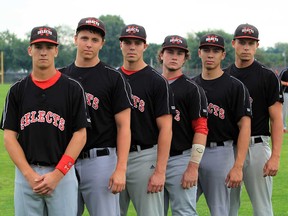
(156, 182)
(271, 167)
(234, 177)
(117, 181)
(49, 182)
(34, 179)
(190, 176)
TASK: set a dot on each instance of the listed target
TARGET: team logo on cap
(212, 39)
(44, 31)
(176, 40)
(92, 22)
(247, 30)
(132, 30)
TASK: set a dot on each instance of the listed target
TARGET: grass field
(280, 190)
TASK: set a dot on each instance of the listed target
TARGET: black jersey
(284, 77)
(191, 104)
(45, 119)
(264, 89)
(106, 95)
(151, 98)
(228, 102)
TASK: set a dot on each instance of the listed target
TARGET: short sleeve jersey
(264, 89)
(151, 98)
(191, 104)
(228, 102)
(45, 119)
(106, 95)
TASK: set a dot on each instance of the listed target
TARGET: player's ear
(56, 51)
(145, 46)
(29, 51)
(104, 41)
(224, 55)
(75, 39)
(199, 53)
(161, 56)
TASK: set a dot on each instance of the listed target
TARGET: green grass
(280, 190)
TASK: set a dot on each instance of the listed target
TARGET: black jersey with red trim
(191, 104)
(228, 102)
(106, 95)
(45, 119)
(264, 89)
(151, 98)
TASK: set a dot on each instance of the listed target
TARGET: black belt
(175, 153)
(208, 144)
(41, 164)
(258, 140)
(99, 153)
(134, 148)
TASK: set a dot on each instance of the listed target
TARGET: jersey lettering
(42, 117)
(33, 117)
(92, 101)
(138, 103)
(177, 116)
(216, 110)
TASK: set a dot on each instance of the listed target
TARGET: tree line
(17, 59)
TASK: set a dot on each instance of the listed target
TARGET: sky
(159, 17)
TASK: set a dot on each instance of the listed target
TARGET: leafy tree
(150, 55)
(15, 52)
(67, 49)
(111, 53)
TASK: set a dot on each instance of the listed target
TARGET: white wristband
(197, 153)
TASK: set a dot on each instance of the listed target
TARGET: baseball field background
(280, 189)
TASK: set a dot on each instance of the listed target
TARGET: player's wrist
(58, 173)
(238, 166)
(193, 165)
(65, 164)
(197, 153)
(160, 171)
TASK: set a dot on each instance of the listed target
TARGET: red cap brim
(44, 40)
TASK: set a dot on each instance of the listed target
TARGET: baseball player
(266, 98)
(229, 113)
(151, 127)
(284, 82)
(44, 122)
(189, 129)
(101, 170)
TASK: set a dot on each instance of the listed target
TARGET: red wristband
(65, 164)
